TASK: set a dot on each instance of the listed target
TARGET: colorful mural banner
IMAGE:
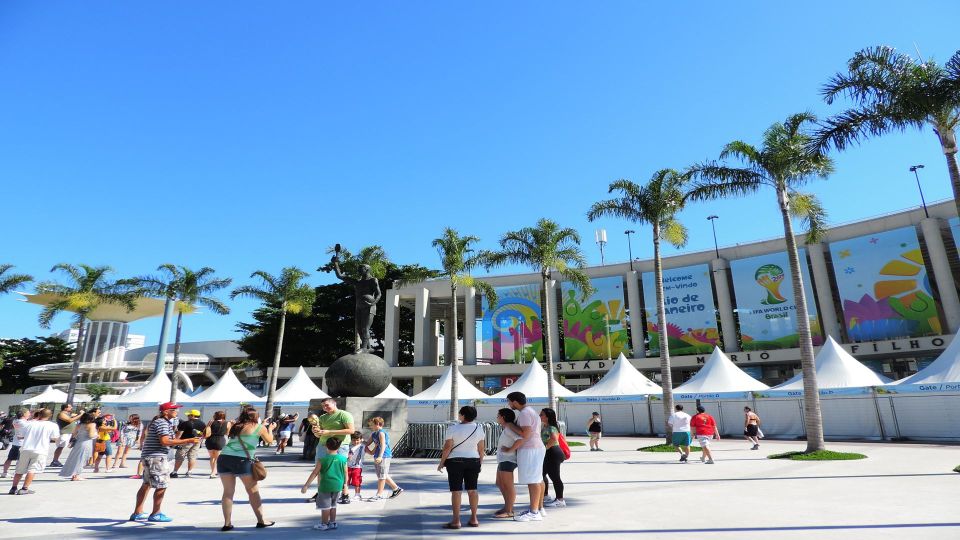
(691, 310)
(884, 286)
(594, 328)
(954, 224)
(766, 308)
(511, 331)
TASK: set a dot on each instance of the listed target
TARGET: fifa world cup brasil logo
(769, 276)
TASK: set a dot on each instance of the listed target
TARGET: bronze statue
(367, 292)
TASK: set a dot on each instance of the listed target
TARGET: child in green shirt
(331, 474)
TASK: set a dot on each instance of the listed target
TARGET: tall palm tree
(655, 203)
(892, 92)
(286, 293)
(456, 263)
(188, 289)
(784, 162)
(8, 282)
(546, 248)
(88, 288)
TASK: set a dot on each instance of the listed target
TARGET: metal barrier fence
(425, 439)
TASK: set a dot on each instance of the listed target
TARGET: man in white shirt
(529, 454)
(20, 421)
(679, 423)
(37, 437)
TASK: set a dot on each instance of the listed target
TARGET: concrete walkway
(901, 491)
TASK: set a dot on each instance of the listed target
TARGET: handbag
(564, 447)
(257, 469)
(100, 447)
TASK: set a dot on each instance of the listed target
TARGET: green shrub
(575, 443)
(665, 448)
(956, 469)
(819, 455)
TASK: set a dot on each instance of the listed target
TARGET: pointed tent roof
(298, 390)
(946, 368)
(49, 395)
(836, 368)
(720, 374)
(392, 392)
(440, 390)
(155, 392)
(622, 380)
(533, 383)
(228, 389)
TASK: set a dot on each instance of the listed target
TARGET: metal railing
(425, 439)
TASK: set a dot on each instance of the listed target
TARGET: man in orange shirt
(705, 428)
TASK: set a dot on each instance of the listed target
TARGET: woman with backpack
(550, 433)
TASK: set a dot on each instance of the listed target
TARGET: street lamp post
(713, 225)
(601, 236)
(913, 169)
(630, 246)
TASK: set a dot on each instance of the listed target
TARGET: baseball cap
(169, 405)
(194, 412)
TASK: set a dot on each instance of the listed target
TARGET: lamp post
(913, 169)
(601, 237)
(630, 245)
(713, 225)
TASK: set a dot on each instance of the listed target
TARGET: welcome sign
(690, 308)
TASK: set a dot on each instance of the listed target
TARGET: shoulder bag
(465, 440)
(257, 469)
(564, 447)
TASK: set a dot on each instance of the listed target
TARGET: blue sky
(246, 135)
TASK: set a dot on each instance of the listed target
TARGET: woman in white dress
(82, 441)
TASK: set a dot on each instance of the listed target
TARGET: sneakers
(332, 526)
(142, 516)
(543, 512)
(344, 499)
(187, 475)
(557, 503)
(599, 449)
(13, 491)
(356, 498)
(213, 475)
(56, 464)
(396, 492)
(756, 447)
(548, 499)
(528, 516)
(376, 498)
(25, 491)
(160, 518)
(702, 458)
(174, 475)
(683, 459)
(709, 462)
(321, 527)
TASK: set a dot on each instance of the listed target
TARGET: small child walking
(355, 464)
(331, 474)
(382, 453)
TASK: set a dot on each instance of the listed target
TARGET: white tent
(533, 383)
(440, 390)
(719, 374)
(49, 395)
(392, 392)
(155, 392)
(228, 390)
(837, 369)
(622, 380)
(298, 391)
(946, 368)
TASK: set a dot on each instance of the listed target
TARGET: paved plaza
(900, 491)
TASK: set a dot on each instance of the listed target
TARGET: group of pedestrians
(704, 427)
(530, 444)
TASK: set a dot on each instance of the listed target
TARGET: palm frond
(716, 181)
(250, 291)
(214, 305)
(742, 151)
(812, 215)
(674, 232)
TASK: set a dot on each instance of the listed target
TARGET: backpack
(564, 447)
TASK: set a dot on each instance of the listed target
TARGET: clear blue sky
(241, 135)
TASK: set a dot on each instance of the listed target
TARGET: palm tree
(287, 293)
(456, 262)
(784, 162)
(545, 247)
(188, 289)
(8, 282)
(88, 288)
(657, 204)
(892, 92)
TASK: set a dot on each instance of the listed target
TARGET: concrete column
(435, 344)
(391, 330)
(470, 326)
(104, 361)
(942, 273)
(421, 328)
(555, 320)
(417, 385)
(728, 323)
(824, 292)
(633, 308)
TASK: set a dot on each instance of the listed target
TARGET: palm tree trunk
(548, 336)
(666, 377)
(811, 394)
(948, 142)
(268, 410)
(176, 359)
(454, 365)
(77, 355)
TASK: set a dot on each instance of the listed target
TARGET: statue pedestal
(393, 411)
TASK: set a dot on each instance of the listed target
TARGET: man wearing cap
(156, 470)
(191, 428)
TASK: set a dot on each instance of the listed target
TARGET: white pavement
(900, 491)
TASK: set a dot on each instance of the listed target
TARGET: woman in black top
(595, 429)
(216, 434)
